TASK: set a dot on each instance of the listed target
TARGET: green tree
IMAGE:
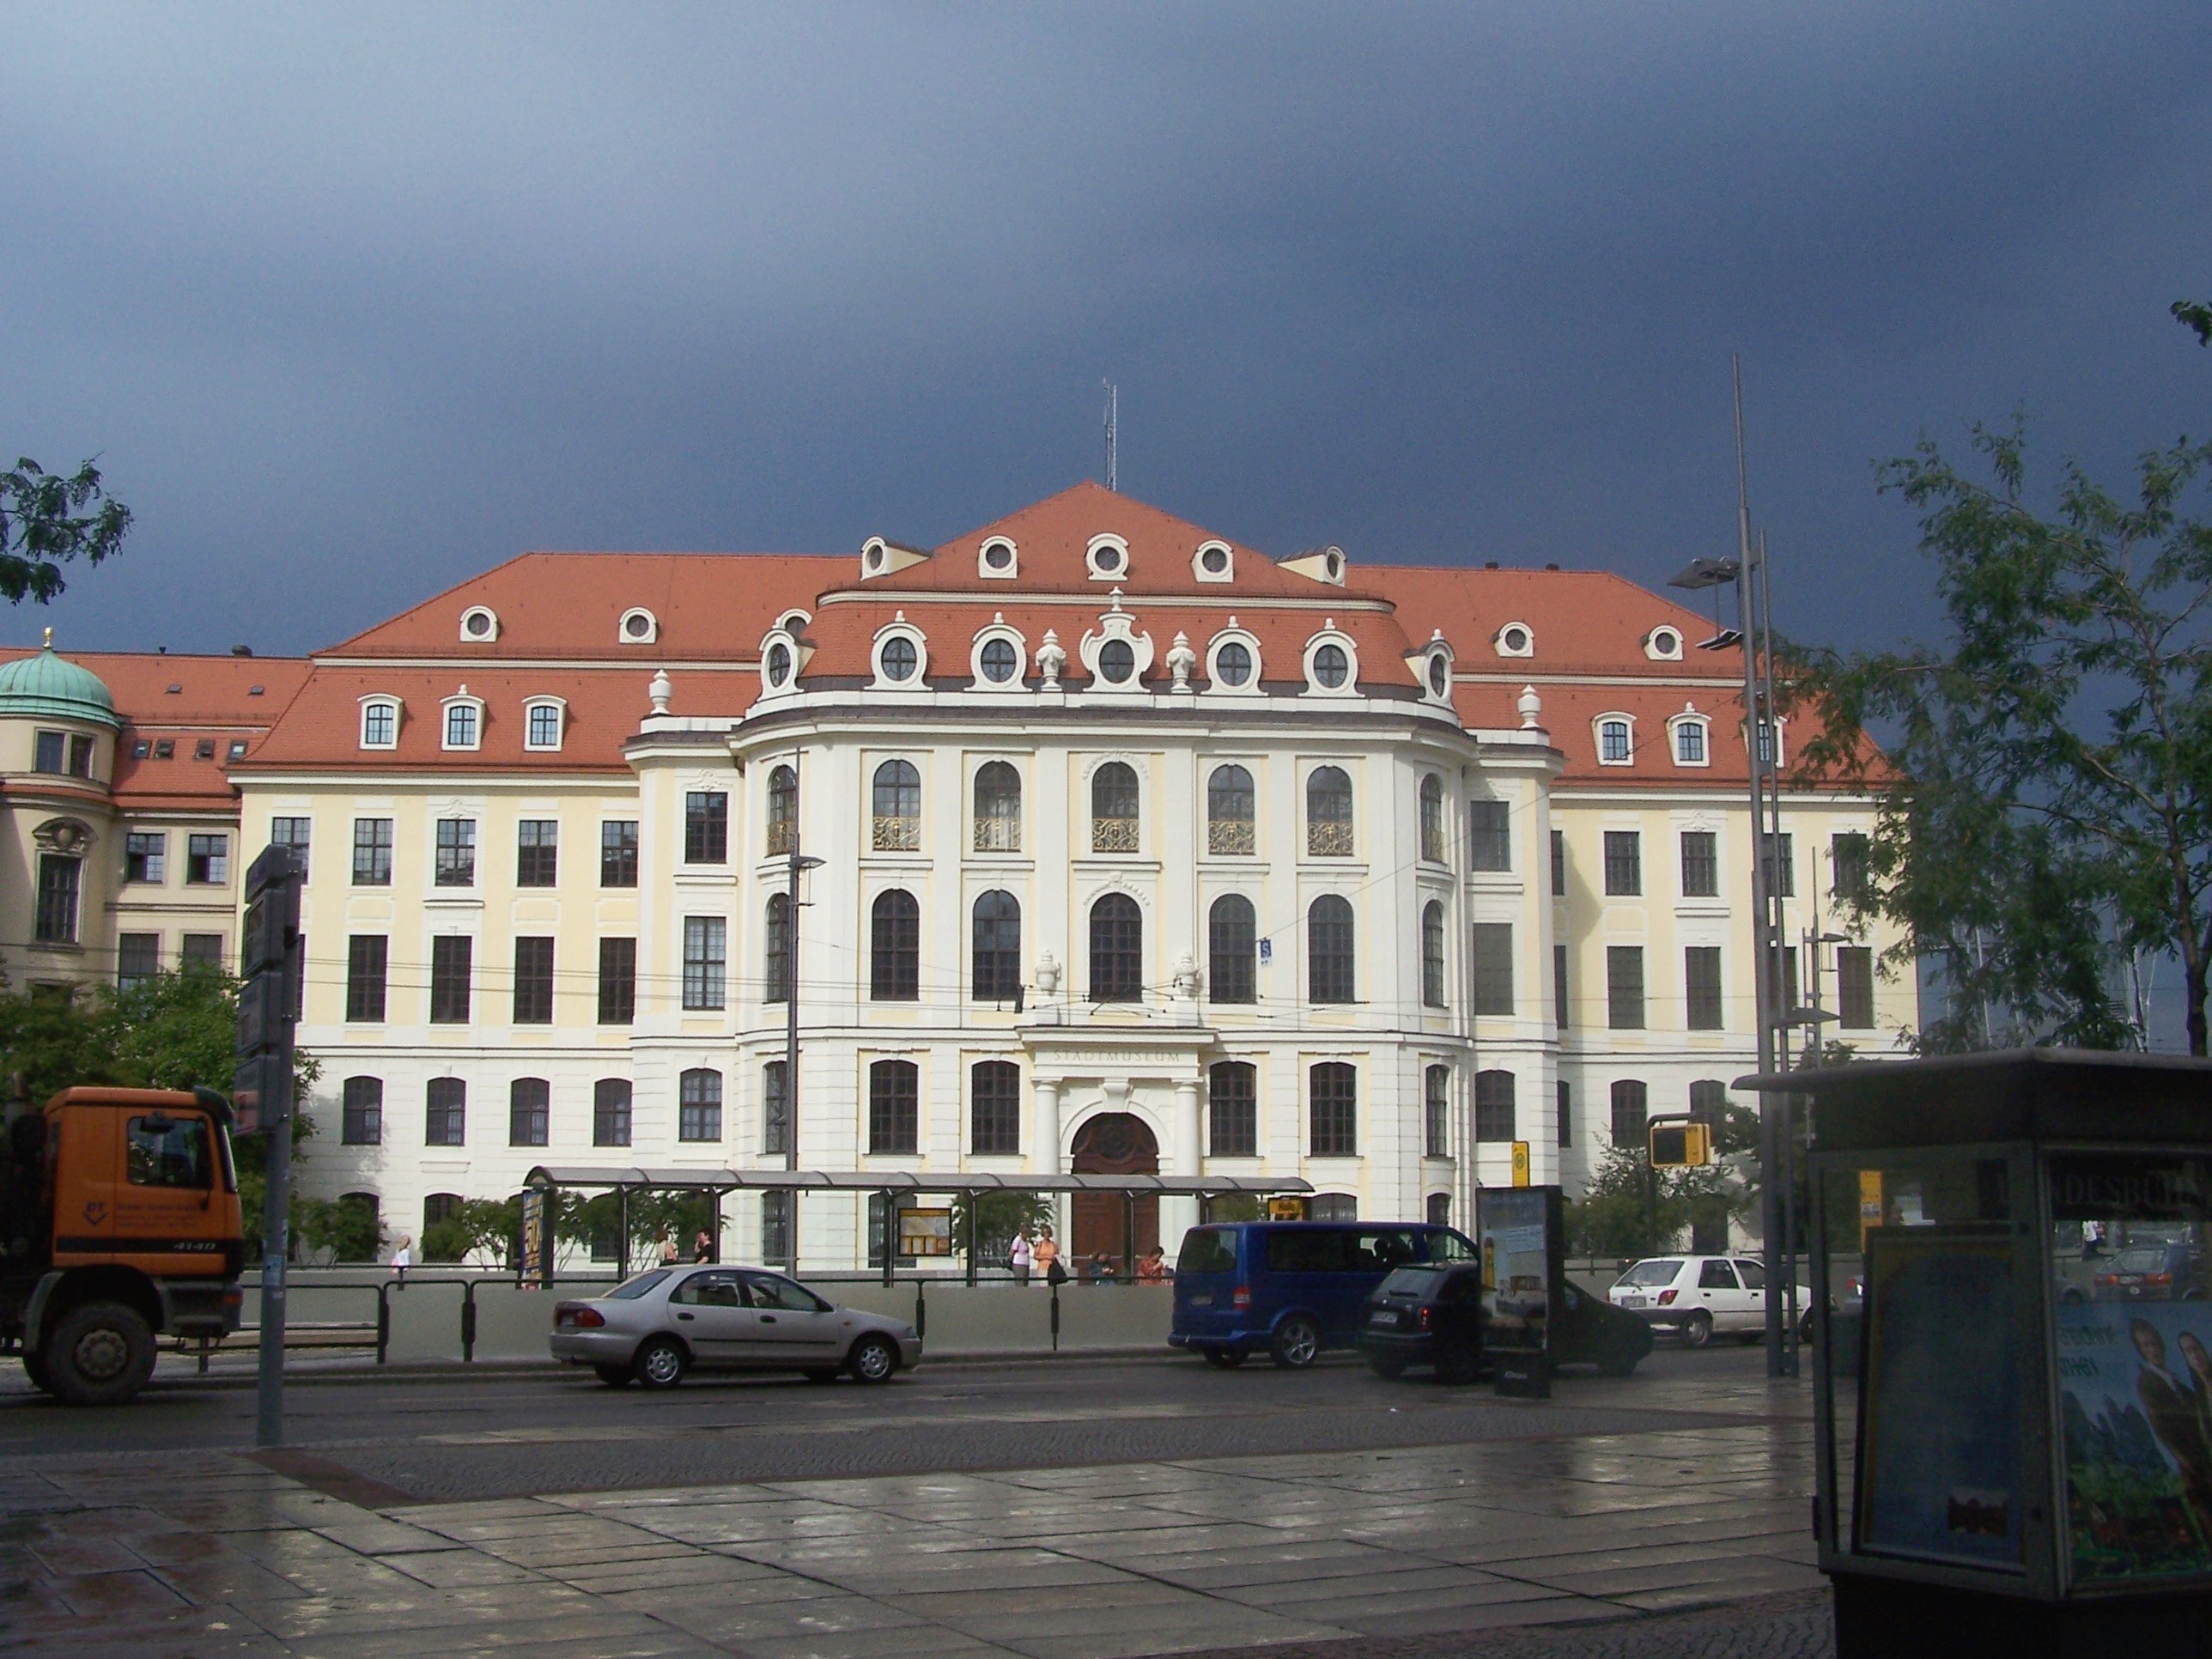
(2196, 316)
(348, 1227)
(998, 1215)
(1622, 1212)
(48, 519)
(2045, 788)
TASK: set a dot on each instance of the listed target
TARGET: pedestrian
(1152, 1266)
(1018, 1256)
(667, 1251)
(1046, 1254)
(403, 1258)
(702, 1248)
(1099, 1270)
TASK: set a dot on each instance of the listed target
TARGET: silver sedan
(652, 1328)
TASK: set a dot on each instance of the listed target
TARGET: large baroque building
(1139, 848)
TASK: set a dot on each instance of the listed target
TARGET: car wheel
(1457, 1363)
(873, 1361)
(35, 1368)
(1804, 1330)
(1297, 1340)
(1389, 1367)
(2072, 1293)
(822, 1374)
(100, 1354)
(660, 1364)
(1617, 1364)
(1697, 1329)
(1224, 1359)
(614, 1377)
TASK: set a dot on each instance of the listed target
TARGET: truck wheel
(35, 1368)
(100, 1354)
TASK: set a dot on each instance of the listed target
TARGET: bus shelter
(543, 1184)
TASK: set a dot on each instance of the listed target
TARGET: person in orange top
(1152, 1266)
(1045, 1253)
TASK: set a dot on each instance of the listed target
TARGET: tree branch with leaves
(49, 519)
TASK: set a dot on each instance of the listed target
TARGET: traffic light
(1681, 1145)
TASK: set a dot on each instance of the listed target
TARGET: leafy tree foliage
(2046, 798)
(48, 519)
(2196, 316)
(347, 1229)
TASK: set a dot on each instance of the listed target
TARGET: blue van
(1291, 1288)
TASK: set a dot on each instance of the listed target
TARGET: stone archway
(1112, 1143)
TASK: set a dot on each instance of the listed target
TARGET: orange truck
(120, 1218)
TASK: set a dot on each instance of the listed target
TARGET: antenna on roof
(1113, 434)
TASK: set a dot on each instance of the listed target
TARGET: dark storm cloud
(355, 305)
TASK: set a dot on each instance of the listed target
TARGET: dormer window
(1515, 639)
(997, 561)
(638, 626)
(464, 720)
(1691, 739)
(545, 718)
(1332, 663)
(901, 658)
(479, 626)
(1439, 675)
(1616, 740)
(777, 665)
(1117, 660)
(1214, 563)
(1233, 661)
(997, 657)
(1000, 660)
(379, 723)
(1663, 645)
(1108, 559)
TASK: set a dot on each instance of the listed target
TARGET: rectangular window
(1490, 835)
(894, 1107)
(207, 860)
(699, 1105)
(706, 951)
(1493, 1106)
(1624, 987)
(145, 857)
(1559, 863)
(461, 726)
(1624, 863)
(365, 956)
(59, 880)
(202, 951)
(451, 957)
(1566, 1115)
(1559, 986)
(617, 980)
(446, 1117)
(1232, 1109)
(49, 752)
(1436, 1109)
(362, 1121)
(775, 1108)
(1334, 1088)
(372, 852)
(1787, 956)
(611, 1112)
(1782, 870)
(1631, 1111)
(1851, 856)
(544, 727)
(529, 1111)
(1855, 986)
(80, 760)
(536, 852)
(1493, 968)
(1701, 986)
(706, 827)
(994, 1107)
(533, 980)
(379, 725)
(618, 853)
(137, 959)
(292, 833)
(1701, 864)
(457, 853)
(775, 1229)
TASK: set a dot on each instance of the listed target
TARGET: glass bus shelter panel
(2133, 1338)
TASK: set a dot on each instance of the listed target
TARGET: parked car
(654, 1328)
(1432, 1315)
(1291, 1289)
(2161, 1270)
(1695, 1296)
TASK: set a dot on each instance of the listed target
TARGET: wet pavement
(1424, 1521)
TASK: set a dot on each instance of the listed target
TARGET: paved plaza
(1663, 1514)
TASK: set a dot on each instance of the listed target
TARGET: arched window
(1117, 950)
(1229, 812)
(1113, 809)
(1332, 1089)
(1329, 813)
(1432, 817)
(895, 954)
(1231, 938)
(996, 972)
(776, 950)
(894, 1107)
(529, 1107)
(1709, 1101)
(1630, 1113)
(611, 1112)
(782, 810)
(994, 1105)
(998, 808)
(1432, 953)
(1436, 1106)
(1613, 746)
(1232, 1110)
(446, 1112)
(699, 1105)
(363, 1122)
(1328, 950)
(1493, 1106)
(897, 827)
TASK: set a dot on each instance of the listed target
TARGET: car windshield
(1650, 1273)
(631, 1289)
(1410, 1281)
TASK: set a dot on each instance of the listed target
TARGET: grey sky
(353, 304)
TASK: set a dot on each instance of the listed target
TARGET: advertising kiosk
(2021, 1461)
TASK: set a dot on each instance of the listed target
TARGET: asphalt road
(502, 1434)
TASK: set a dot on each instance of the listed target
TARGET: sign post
(261, 1095)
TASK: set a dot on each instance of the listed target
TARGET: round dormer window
(1107, 559)
(779, 663)
(1666, 643)
(479, 624)
(1439, 675)
(1336, 566)
(875, 558)
(1515, 640)
(1330, 667)
(899, 658)
(999, 556)
(1117, 660)
(1214, 560)
(1000, 660)
(1232, 664)
(638, 626)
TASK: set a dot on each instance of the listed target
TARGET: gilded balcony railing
(998, 835)
(1231, 836)
(780, 837)
(1326, 840)
(898, 834)
(1114, 835)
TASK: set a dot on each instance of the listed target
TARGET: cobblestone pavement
(1616, 1503)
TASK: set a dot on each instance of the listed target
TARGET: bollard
(1055, 1319)
(469, 1322)
(383, 1320)
(920, 1310)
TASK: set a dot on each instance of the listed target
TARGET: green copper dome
(46, 686)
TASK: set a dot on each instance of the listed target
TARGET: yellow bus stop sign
(1520, 1162)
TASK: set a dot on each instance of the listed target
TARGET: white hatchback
(1695, 1296)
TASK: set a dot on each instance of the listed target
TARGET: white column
(1044, 1144)
(1179, 1215)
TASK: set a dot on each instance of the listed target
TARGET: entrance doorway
(1113, 1143)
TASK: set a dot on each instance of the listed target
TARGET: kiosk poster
(1939, 1463)
(1516, 1266)
(2134, 1382)
(536, 1253)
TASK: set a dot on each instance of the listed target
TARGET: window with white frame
(379, 723)
(1616, 740)
(464, 722)
(1690, 748)
(543, 731)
